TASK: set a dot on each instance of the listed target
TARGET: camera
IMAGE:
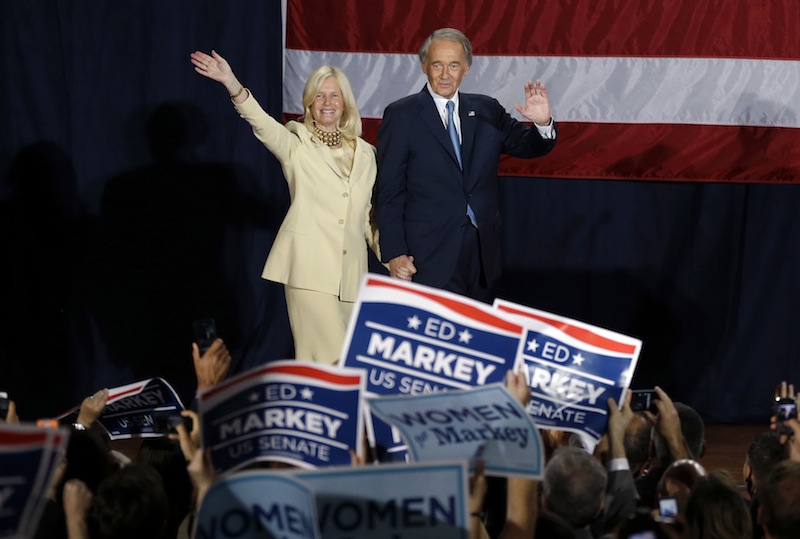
(166, 423)
(642, 399)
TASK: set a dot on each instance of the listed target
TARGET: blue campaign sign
(573, 368)
(485, 422)
(134, 410)
(400, 501)
(413, 339)
(29, 456)
(298, 413)
(255, 505)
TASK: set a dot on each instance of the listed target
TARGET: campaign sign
(28, 458)
(416, 339)
(573, 368)
(413, 339)
(257, 505)
(298, 413)
(135, 410)
(485, 422)
(391, 501)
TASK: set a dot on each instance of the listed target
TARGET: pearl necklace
(327, 137)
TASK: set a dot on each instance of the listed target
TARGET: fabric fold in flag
(677, 91)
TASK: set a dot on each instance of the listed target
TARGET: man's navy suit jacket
(421, 194)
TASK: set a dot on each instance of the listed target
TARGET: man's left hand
(537, 105)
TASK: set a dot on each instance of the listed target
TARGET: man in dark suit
(436, 199)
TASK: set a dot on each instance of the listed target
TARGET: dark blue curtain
(134, 200)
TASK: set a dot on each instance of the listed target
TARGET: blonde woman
(320, 252)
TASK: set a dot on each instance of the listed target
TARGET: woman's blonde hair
(350, 124)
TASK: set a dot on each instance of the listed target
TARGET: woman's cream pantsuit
(320, 252)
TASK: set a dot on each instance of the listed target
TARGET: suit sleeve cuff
(546, 131)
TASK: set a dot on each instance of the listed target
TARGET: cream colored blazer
(322, 242)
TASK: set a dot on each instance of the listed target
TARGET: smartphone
(205, 332)
(3, 405)
(786, 409)
(166, 423)
(642, 399)
(668, 507)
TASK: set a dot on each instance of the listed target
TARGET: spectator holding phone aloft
(785, 419)
(678, 432)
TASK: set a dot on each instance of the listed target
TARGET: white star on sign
(253, 397)
(414, 322)
(306, 394)
(464, 336)
(577, 359)
(532, 345)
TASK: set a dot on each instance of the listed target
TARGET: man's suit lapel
(469, 122)
(431, 119)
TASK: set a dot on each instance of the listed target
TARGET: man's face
(445, 66)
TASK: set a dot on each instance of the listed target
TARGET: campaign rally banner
(137, 410)
(573, 368)
(414, 339)
(397, 501)
(485, 422)
(298, 413)
(255, 505)
(29, 456)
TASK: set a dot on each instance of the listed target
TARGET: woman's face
(328, 105)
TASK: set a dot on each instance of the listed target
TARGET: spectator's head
(780, 501)
(763, 453)
(693, 430)
(574, 486)
(88, 458)
(131, 504)
(166, 457)
(677, 482)
(637, 444)
(716, 510)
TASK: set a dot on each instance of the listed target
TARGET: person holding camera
(785, 419)
(320, 252)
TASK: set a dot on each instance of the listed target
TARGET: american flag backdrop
(672, 90)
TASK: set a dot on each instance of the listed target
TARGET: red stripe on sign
(454, 305)
(583, 335)
(657, 152)
(311, 372)
(22, 438)
(722, 28)
(298, 369)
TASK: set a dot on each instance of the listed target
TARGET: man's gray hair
(449, 34)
